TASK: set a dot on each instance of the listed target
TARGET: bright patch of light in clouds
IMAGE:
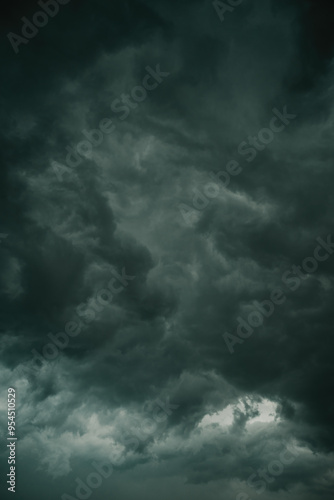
(265, 413)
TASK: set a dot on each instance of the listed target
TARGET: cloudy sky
(164, 166)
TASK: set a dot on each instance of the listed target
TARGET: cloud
(118, 208)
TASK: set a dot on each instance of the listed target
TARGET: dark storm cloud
(161, 338)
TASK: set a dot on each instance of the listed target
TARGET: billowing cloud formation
(165, 175)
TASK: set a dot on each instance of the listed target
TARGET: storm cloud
(167, 173)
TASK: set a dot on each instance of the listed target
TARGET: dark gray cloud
(158, 337)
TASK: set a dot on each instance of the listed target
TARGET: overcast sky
(210, 177)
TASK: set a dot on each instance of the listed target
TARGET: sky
(167, 258)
